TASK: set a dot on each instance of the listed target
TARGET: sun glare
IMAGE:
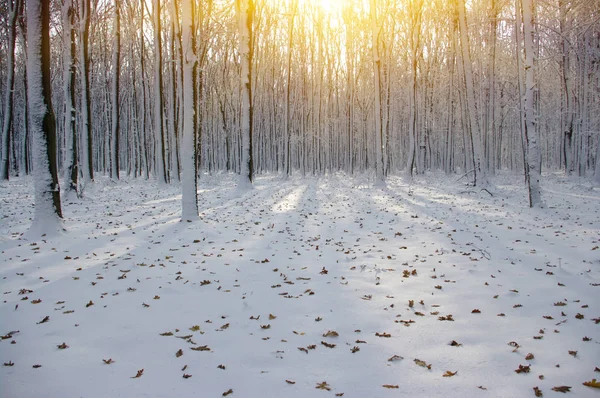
(329, 6)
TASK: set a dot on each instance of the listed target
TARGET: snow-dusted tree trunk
(597, 170)
(566, 93)
(48, 213)
(379, 175)
(533, 150)
(415, 38)
(116, 64)
(158, 97)
(14, 7)
(71, 172)
(86, 117)
(287, 126)
(189, 183)
(481, 176)
(245, 10)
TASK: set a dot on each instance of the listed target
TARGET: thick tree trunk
(189, 185)
(48, 213)
(245, 12)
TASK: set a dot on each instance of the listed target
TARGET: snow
(319, 255)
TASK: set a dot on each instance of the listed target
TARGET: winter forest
(299, 197)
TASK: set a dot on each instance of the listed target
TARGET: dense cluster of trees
(168, 88)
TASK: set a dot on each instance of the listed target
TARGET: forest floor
(308, 287)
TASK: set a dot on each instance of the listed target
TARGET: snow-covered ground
(304, 287)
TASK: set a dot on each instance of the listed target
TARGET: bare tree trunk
(533, 151)
(287, 127)
(48, 213)
(566, 94)
(416, 7)
(116, 64)
(480, 172)
(86, 132)
(379, 174)
(491, 89)
(14, 9)
(245, 11)
(71, 160)
(189, 186)
(158, 97)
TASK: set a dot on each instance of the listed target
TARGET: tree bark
(533, 150)
(245, 12)
(189, 185)
(86, 132)
(116, 64)
(480, 172)
(48, 213)
(158, 98)
(379, 174)
(14, 8)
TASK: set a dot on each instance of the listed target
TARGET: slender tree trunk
(520, 79)
(143, 136)
(566, 91)
(158, 97)
(415, 38)
(48, 213)
(533, 150)
(491, 89)
(287, 127)
(86, 117)
(116, 64)
(480, 172)
(14, 9)
(379, 174)
(71, 169)
(449, 158)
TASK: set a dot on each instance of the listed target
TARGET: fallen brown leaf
(593, 383)
(138, 374)
(422, 363)
(563, 389)
(323, 386)
(523, 369)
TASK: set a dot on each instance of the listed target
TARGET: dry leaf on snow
(138, 374)
(593, 383)
(563, 389)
